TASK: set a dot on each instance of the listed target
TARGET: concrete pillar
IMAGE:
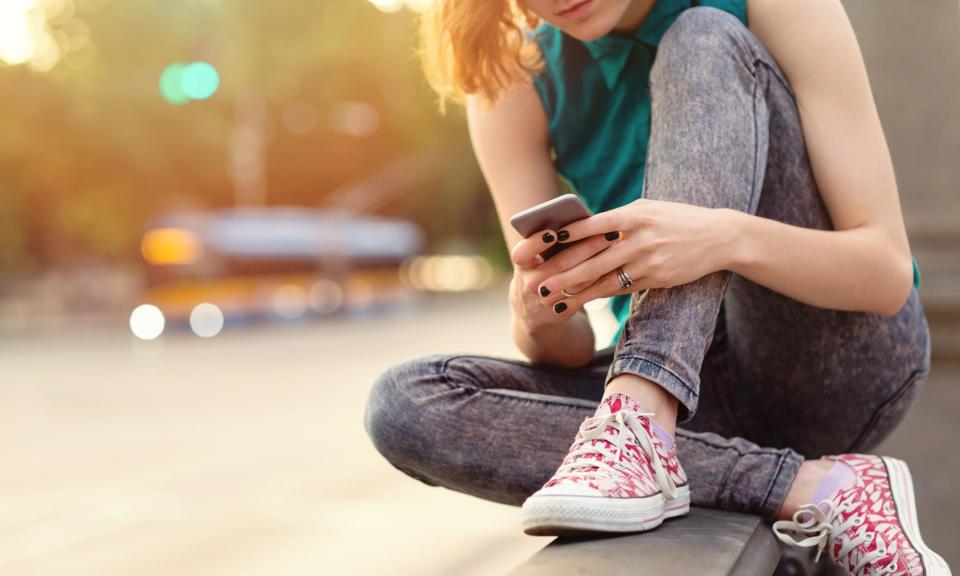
(912, 52)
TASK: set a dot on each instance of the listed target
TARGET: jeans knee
(391, 410)
(891, 413)
(696, 45)
(377, 413)
(703, 27)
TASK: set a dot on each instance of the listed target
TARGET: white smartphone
(553, 214)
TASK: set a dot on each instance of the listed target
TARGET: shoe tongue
(615, 403)
(611, 405)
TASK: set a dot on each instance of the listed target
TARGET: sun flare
(25, 33)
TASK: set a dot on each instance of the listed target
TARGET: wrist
(530, 327)
(521, 322)
(734, 241)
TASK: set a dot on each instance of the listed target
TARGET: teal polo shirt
(597, 100)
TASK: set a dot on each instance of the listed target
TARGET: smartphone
(553, 214)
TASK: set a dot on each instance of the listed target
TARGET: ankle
(811, 473)
(649, 396)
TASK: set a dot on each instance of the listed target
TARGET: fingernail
(559, 307)
(544, 291)
(612, 235)
(547, 237)
(563, 235)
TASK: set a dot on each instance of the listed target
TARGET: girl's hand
(661, 244)
(530, 271)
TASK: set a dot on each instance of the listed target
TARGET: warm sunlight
(25, 33)
(396, 5)
(18, 42)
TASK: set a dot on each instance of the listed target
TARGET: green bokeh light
(180, 83)
(171, 82)
(199, 81)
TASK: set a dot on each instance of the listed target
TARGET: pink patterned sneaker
(869, 528)
(617, 477)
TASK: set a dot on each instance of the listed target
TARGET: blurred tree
(90, 150)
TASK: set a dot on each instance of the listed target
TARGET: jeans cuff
(780, 484)
(661, 375)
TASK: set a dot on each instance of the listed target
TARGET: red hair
(477, 47)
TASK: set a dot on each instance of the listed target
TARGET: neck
(634, 16)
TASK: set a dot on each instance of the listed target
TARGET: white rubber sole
(561, 515)
(901, 485)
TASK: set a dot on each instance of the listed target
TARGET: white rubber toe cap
(568, 489)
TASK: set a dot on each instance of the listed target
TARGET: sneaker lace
(595, 427)
(818, 526)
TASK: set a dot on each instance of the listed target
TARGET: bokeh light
(388, 5)
(325, 296)
(199, 80)
(171, 246)
(180, 83)
(18, 41)
(396, 5)
(41, 33)
(147, 322)
(447, 273)
(290, 301)
(357, 119)
(171, 82)
(206, 320)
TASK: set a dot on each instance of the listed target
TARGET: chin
(599, 22)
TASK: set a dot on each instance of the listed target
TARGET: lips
(572, 7)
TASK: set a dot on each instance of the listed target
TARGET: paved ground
(245, 454)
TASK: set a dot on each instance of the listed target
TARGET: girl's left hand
(662, 244)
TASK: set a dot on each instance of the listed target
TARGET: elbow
(900, 284)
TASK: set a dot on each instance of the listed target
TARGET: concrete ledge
(702, 543)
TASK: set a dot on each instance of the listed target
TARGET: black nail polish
(611, 236)
(563, 235)
(544, 291)
(547, 237)
(559, 307)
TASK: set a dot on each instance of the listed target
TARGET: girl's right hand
(529, 270)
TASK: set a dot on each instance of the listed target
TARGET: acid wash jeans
(763, 380)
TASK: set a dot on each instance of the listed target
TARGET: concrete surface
(245, 454)
(703, 543)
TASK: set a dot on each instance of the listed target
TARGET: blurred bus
(270, 263)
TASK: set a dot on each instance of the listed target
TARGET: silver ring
(625, 280)
(565, 293)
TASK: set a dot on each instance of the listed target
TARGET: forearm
(857, 269)
(570, 344)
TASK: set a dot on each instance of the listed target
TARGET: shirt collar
(612, 51)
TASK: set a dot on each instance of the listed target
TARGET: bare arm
(864, 264)
(510, 142)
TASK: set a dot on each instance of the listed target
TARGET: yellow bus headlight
(171, 246)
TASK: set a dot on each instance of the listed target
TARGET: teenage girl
(748, 232)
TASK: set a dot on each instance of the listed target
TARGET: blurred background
(220, 220)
